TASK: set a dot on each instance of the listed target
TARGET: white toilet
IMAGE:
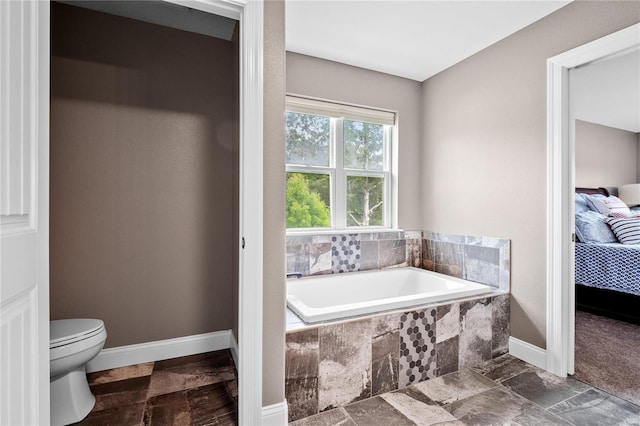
(73, 343)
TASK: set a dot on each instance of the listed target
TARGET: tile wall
(335, 364)
(481, 259)
(326, 254)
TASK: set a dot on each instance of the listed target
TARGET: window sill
(369, 230)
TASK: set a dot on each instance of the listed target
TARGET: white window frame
(337, 113)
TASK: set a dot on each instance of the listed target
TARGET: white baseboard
(276, 414)
(162, 349)
(528, 352)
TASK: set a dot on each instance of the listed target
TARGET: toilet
(73, 343)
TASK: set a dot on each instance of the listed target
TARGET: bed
(607, 273)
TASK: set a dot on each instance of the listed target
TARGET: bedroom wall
(484, 153)
(605, 156)
(142, 153)
(638, 162)
(315, 77)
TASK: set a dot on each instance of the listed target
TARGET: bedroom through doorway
(604, 114)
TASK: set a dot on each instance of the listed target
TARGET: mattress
(612, 266)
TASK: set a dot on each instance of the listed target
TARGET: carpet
(608, 355)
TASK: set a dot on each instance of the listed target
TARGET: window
(338, 166)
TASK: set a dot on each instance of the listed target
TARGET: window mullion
(341, 185)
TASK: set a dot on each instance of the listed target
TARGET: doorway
(604, 105)
(27, 293)
(561, 184)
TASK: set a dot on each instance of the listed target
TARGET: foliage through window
(338, 166)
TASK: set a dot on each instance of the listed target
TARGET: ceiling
(607, 92)
(411, 39)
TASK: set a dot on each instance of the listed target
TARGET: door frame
(560, 189)
(249, 13)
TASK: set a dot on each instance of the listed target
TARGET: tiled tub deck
(337, 363)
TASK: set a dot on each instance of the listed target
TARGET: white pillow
(609, 206)
(627, 229)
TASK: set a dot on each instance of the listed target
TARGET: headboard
(603, 191)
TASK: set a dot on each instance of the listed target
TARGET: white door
(24, 212)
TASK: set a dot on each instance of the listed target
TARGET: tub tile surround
(301, 373)
(475, 335)
(334, 364)
(330, 254)
(344, 368)
(384, 356)
(343, 362)
(484, 260)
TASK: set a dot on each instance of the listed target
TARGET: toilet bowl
(73, 343)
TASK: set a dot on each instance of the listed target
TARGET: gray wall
(324, 79)
(142, 151)
(484, 154)
(638, 171)
(605, 156)
(274, 202)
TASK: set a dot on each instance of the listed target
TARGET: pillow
(581, 203)
(592, 228)
(627, 229)
(609, 206)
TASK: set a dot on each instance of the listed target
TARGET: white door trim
(560, 188)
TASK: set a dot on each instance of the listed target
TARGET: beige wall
(274, 202)
(605, 156)
(638, 171)
(484, 154)
(319, 78)
(235, 299)
(141, 177)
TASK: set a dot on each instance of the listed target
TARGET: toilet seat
(69, 331)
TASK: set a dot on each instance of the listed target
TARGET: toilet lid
(70, 330)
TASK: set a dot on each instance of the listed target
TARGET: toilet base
(71, 398)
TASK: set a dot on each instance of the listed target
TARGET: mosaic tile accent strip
(345, 253)
(417, 346)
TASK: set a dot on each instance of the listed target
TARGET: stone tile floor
(202, 390)
(504, 391)
(192, 390)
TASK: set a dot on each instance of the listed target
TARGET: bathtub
(330, 297)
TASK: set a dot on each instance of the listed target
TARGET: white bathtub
(334, 296)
